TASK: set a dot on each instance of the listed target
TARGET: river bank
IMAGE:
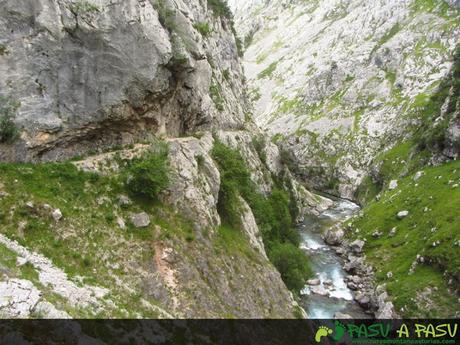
(328, 294)
(359, 276)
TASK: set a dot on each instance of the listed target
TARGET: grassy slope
(433, 203)
(86, 242)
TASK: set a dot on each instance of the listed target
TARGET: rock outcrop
(90, 74)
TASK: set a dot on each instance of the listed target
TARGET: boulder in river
(363, 300)
(313, 282)
(354, 279)
(328, 282)
(319, 290)
(342, 316)
(352, 264)
(352, 286)
(385, 311)
(334, 236)
(357, 246)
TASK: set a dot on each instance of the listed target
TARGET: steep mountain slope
(365, 96)
(417, 255)
(149, 218)
(336, 81)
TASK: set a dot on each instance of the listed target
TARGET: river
(327, 266)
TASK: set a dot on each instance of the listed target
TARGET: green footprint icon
(339, 331)
(322, 331)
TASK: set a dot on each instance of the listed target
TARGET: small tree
(8, 130)
(292, 263)
(148, 176)
(203, 28)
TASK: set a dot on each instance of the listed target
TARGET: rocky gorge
(362, 98)
(169, 158)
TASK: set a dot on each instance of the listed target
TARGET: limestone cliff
(93, 74)
(336, 81)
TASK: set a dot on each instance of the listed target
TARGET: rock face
(333, 81)
(251, 229)
(195, 189)
(96, 73)
(18, 297)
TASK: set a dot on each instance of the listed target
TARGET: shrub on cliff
(220, 8)
(8, 130)
(203, 28)
(235, 180)
(292, 263)
(272, 214)
(148, 175)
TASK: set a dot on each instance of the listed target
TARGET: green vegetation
(439, 6)
(221, 9)
(429, 287)
(349, 78)
(391, 76)
(166, 15)
(239, 43)
(265, 54)
(273, 214)
(148, 176)
(216, 96)
(267, 73)
(230, 241)
(432, 133)
(426, 138)
(261, 57)
(248, 39)
(3, 50)
(289, 105)
(8, 130)
(389, 34)
(259, 144)
(226, 74)
(291, 263)
(86, 242)
(430, 230)
(203, 28)
(357, 119)
(277, 138)
(254, 94)
(83, 6)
